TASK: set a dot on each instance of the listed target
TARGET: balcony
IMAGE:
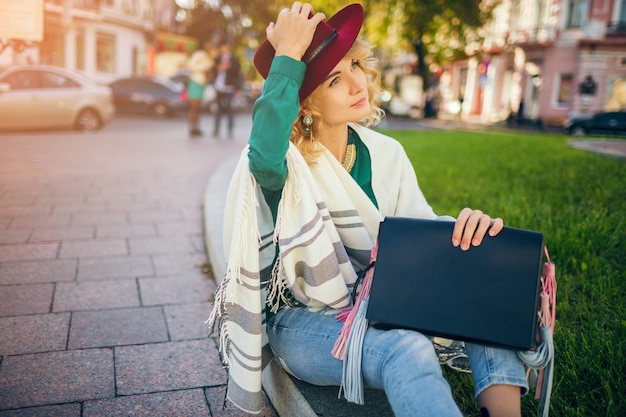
(539, 34)
(79, 4)
(616, 29)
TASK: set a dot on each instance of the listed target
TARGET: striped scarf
(320, 235)
(325, 229)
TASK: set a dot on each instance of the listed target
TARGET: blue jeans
(403, 363)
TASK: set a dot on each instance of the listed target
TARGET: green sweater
(272, 118)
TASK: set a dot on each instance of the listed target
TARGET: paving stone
(144, 216)
(104, 328)
(60, 199)
(180, 228)
(54, 220)
(28, 252)
(120, 200)
(134, 206)
(175, 290)
(116, 267)
(19, 198)
(100, 218)
(32, 334)
(79, 208)
(216, 400)
(65, 410)
(167, 366)
(160, 245)
(94, 295)
(62, 233)
(127, 231)
(188, 321)
(198, 243)
(24, 210)
(192, 212)
(56, 377)
(177, 403)
(17, 300)
(15, 235)
(38, 271)
(178, 263)
(92, 248)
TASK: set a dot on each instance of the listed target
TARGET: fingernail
(464, 246)
(475, 242)
(455, 242)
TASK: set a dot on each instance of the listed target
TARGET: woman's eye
(334, 81)
(355, 63)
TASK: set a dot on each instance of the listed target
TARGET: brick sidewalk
(103, 283)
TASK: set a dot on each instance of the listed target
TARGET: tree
(241, 22)
(438, 31)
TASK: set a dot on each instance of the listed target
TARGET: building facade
(104, 39)
(546, 60)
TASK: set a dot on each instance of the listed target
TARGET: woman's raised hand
(293, 30)
(471, 226)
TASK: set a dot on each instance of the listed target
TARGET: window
(22, 80)
(566, 84)
(576, 13)
(105, 52)
(52, 80)
(52, 47)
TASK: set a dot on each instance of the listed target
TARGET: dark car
(607, 123)
(151, 95)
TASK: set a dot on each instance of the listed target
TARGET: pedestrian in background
(199, 65)
(227, 82)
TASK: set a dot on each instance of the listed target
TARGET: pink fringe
(348, 316)
(547, 311)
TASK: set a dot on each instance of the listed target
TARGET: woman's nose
(357, 83)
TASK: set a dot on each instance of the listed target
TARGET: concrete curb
(612, 148)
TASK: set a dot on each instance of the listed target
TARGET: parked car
(606, 123)
(208, 102)
(147, 94)
(40, 96)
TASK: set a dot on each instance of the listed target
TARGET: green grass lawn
(578, 200)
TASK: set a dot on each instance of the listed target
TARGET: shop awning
(176, 43)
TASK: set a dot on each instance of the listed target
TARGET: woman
(319, 188)
(199, 64)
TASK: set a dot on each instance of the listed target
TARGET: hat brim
(347, 22)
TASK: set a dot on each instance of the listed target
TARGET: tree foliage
(438, 31)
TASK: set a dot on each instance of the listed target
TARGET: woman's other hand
(293, 31)
(471, 226)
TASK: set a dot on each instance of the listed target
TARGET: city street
(103, 281)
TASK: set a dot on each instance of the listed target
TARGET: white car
(46, 97)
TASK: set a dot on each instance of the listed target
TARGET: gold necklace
(350, 158)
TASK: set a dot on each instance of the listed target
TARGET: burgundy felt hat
(332, 39)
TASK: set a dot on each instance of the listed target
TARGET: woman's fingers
(293, 31)
(459, 226)
(471, 226)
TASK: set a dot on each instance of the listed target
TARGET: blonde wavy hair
(309, 146)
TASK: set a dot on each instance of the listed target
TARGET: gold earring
(307, 122)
